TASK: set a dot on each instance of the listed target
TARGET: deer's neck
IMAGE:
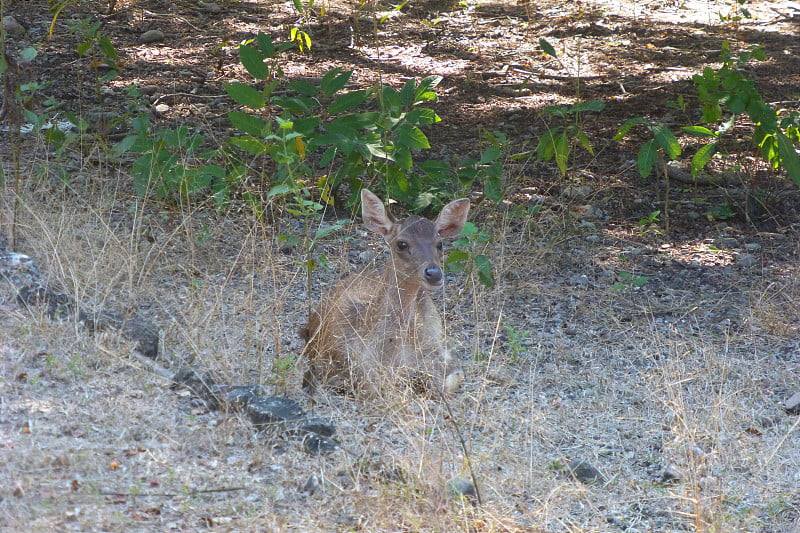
(403, 297)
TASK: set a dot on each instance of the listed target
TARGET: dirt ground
(661, 355)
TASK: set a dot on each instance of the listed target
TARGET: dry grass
(93, 440)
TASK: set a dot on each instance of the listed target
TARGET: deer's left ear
(451, 220)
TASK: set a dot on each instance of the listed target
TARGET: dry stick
(463, 444)
(172, 494)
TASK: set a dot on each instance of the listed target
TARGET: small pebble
(746, 260)
(152, 36)
(12, 27)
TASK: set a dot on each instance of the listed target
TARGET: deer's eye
(402, 245)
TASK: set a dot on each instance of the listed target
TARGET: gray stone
(265, 412)
(584, 472)
(671, 474)
(462, 487)
(317, 445)
(792, 405)
(210, 7)
(152, 36)
(12, 27)
(746, 260)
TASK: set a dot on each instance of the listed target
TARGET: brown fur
(382, 328)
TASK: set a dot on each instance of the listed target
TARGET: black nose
(433, 275)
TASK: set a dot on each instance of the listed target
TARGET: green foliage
(629, 281)
(323, 135)
(730, 91)
(163, 169)
(662, 139)
(465, 256)
(516, 342)
(98, 49)
(557, 140)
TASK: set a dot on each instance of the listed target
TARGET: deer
(379, 329)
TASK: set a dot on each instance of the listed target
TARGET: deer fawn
(382, 328)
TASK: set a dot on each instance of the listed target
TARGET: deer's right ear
(374, 213)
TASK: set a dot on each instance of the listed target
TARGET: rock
(462, 487)
(726, 242)
(152, 36)
(273, 410)
(202, 384)
(584, 472)
(746, 260)
(161, 109)
(312, 484)
(752, 246)
(671, 474)
(210, 7)
(134, 327)
(577, 192)
(234, 397)
(318, 425)
(792, 405)
(12, 27)
(317, 445)
(579, 280)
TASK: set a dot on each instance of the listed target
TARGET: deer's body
(379, 328)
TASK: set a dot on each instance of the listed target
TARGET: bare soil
(643, 349)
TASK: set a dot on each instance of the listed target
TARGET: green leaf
(547, 48)
(265, 45)
(493, 189)
(247, 123)
(647, 158)
(347, 101)
(125, 144)
(279, 190)
(407, 93)
(82, 48)
(789, 158)
(627, 125)
(107, 47)
(702, 157)
(249, 144)
(456, 261)
(253, 62)
(583, 140)
(27, 54)
(412, 137)
(334, 80)
(700, 131)
(422, 115)
(667, 141)
(559, 111)
(402, 156)
(390, 100)
(561, 144)
(546, 148)
(296, 104)
(303, 87)
(712, 112)
(425, 88)
(298, 5)
(245, 95)
(490, 154)
(484, 265)
(327, 230)
(593, 105)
